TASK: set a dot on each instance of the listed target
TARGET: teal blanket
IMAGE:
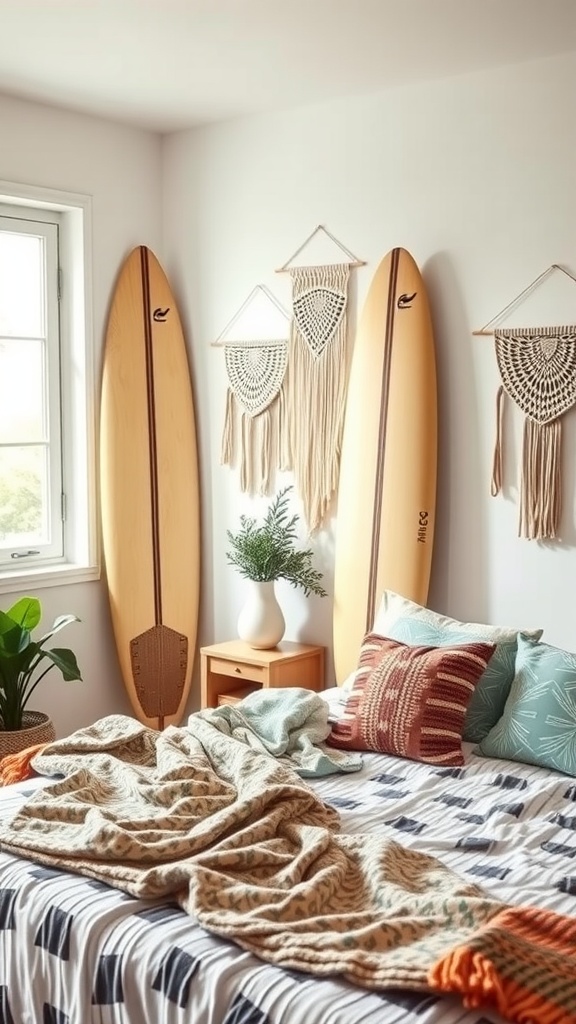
(290, 723)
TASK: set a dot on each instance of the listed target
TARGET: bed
(76, 950)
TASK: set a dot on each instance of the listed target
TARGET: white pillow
(394, 607)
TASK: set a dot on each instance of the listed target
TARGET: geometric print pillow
(538, 725)
(410, 701)
(402, 619)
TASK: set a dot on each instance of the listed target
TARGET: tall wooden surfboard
(387, 487)
(150, 492)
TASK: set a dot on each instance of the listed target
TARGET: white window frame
(44, 226)
(80, 560)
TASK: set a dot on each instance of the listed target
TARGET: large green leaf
(14, 638)
(59, 623)
(21, 657)
(27, 612)
(65, 660)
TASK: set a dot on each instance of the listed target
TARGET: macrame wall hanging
(317, 376)
(254, 433)
(538, 372)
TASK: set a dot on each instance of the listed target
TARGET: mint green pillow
(538, 725)
(412, 623)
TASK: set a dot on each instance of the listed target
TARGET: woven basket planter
(36, 728)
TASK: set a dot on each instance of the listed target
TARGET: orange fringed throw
(522, 963)
(17, 767)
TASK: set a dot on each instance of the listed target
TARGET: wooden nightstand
(231, 670)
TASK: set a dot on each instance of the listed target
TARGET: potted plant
(21, 660)
(265, 553)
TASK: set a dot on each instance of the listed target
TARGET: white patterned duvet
(74, 951)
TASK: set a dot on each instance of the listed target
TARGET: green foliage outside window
(20, 504)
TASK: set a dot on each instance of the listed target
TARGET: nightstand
(233, 669)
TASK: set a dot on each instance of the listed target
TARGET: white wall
(475, 176)
(120, 168)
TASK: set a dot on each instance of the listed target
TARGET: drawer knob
(237, 669)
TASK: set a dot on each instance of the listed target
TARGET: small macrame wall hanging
(254, 434)
(317, 377)
(537, 368)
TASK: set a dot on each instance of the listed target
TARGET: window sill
(47, 576)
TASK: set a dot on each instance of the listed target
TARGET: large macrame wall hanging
(538, 372)
(254, 433)
(316, 379)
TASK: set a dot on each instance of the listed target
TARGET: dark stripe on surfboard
(152, 449)
(378, 484)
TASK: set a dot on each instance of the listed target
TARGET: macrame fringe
(258, 446)
(538, 371)
(265, 452)
(246, 479)
(541, 484)
(283, 451)
(316, 396)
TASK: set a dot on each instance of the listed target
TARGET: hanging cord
(259, 289)
(549, 270)
(496, 485)
(227, 449)
(353, 260)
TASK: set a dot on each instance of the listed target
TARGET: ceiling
(165, 65)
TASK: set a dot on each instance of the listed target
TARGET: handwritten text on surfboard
(422, 526)
(159, 315)
(405, 301)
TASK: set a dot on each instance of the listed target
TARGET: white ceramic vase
(261, 622)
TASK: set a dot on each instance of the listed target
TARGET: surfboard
(387, 483)
(150, 492)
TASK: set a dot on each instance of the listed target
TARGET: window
(47, 509)
(31, 511)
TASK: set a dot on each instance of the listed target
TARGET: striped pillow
(411, 701)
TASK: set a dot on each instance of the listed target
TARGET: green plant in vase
(263, 553)
(25, 661)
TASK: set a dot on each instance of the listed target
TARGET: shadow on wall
(460, 545)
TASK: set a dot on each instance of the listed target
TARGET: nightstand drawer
(231, 669)
(239, 671)
(236, 695)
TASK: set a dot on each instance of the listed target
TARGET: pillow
(538, 725)
(411, 701)
(404, 620)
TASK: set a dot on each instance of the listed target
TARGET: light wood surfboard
(150, 492)
(387, 486)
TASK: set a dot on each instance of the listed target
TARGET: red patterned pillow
(411, 701)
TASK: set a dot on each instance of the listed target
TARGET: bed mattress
(75, 951)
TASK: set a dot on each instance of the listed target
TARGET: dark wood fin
(153, 453)
(376, 519)
(159, 659)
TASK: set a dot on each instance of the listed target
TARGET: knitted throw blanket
(288, 722)
(248, 849)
